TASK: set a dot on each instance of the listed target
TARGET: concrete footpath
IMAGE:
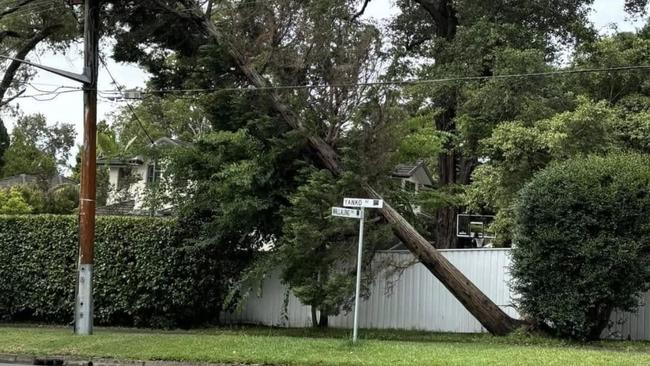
(22, 360)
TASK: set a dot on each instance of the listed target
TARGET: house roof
(408, 170)
(21, 179)
(112, 162)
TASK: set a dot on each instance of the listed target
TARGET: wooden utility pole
(84, 301)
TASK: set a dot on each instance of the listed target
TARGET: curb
(68, 361)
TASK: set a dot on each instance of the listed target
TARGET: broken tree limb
(493, 318)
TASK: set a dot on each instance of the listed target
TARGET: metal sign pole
(358, 291)
(362, 204)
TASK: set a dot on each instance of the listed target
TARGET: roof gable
(417, 171)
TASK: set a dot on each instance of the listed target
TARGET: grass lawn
(313, 347)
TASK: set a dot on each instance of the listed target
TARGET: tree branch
(15, 8)
(208, 10)
(363, 10)
(10, 72)
(11, 99)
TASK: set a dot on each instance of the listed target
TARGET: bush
(145, 273)
(582, 235)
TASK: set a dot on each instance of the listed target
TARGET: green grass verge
(313, 347)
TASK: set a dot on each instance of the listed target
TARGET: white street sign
(346, 212)
(363, 202)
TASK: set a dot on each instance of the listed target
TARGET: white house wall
(418, 301)
(113, 176)
(136, 190)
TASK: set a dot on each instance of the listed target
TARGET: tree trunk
(323, 322)
(314, 317)
(476, 302)
(446, 216)
(602, 313)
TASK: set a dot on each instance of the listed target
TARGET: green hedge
(146, 274)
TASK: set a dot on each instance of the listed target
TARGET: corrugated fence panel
(412, 298)
(632, 325)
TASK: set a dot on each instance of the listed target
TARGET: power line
(402, 82)
(377, 83)
(101, 59)
(53, 94)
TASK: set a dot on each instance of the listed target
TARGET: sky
(68, 108)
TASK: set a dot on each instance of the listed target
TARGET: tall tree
(37, 148)
(610, 115)
(488, 313)
(317, 253)
(475, 38)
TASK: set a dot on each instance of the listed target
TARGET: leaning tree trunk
(476, 302)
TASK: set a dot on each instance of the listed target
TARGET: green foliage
(60, 200)
(418, 139)
(620, 88)
(22, 158)
(12, 202)
(582, 233)
(146, 275)
(317, 253)
(517, 150)
(38, 149)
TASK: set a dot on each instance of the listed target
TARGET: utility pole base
(84, 303)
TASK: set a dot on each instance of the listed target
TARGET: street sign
(363, 202)
(346, 212)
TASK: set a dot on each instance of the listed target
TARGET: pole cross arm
(82, 78)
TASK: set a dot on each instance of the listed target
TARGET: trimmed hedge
(146, 274)
(582, 235)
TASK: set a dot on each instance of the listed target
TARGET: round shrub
(582, 240)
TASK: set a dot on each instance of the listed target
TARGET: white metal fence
(415, 299)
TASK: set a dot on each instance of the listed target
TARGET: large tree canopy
(37, 148)
(443, 38)
(610, 115)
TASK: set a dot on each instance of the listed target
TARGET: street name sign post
(362, 204)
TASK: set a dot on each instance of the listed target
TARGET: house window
(153, 173)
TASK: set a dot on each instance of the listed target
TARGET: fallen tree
(493, 318)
